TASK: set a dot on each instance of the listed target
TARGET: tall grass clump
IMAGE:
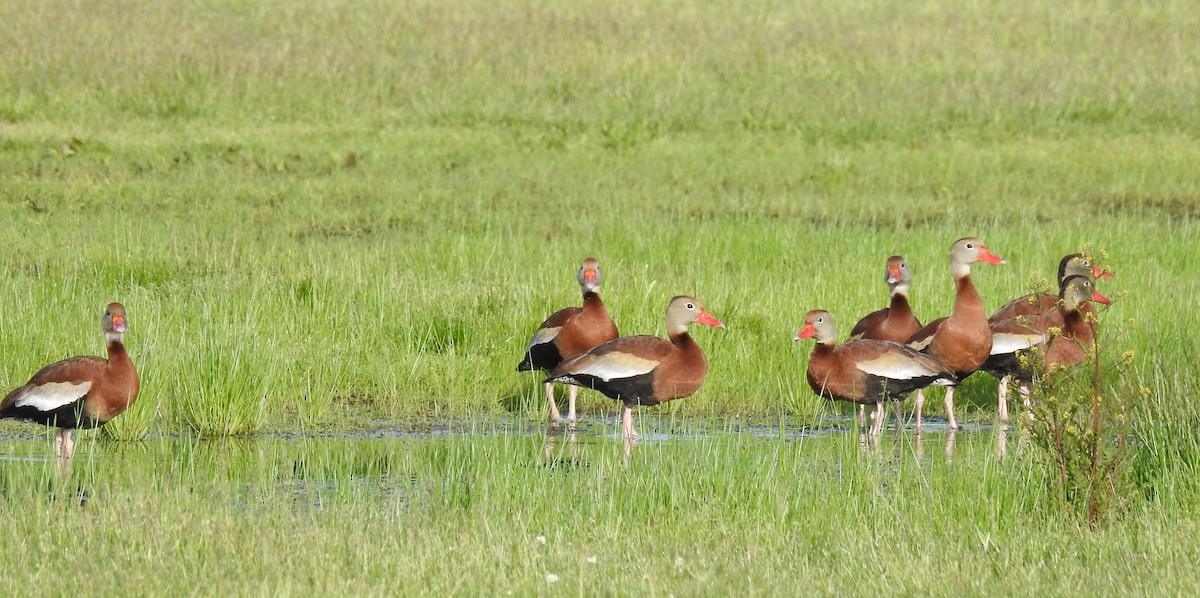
(226, 377)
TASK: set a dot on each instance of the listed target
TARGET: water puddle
(405, 465)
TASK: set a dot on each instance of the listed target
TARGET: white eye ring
(690, 306)
(970, 246)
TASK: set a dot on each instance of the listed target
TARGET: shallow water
(401, 465)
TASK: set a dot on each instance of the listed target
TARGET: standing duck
(1071, 347)
(79, 392)
(963, 340)
(1015, 336)
(569, 332)
(1074, 264)
(866, 371)
(644, 370)
(895, 323)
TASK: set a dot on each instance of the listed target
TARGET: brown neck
(591, 299)
(117, 356)
(899, 309)
(1076, 326)
(966, 300)
(683, 340)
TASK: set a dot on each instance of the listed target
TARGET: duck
(894, 323)
(644, 370)
(569, 332)
(79, 392)
(866, 371)
(962, 341)
(1014, 337)
(1072, 264)
(1070, 347)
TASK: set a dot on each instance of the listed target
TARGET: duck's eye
(970, 246)
(691, 306)
(819, 320)
(903, 265)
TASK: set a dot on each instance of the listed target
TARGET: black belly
(637, 390)
(68, 416)
(1006, 364)
(544, 356)
(881, 389)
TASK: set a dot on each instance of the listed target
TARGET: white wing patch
(616, 365)
(52, 395)
(1004, 343)
(543, 336)
(895, 367)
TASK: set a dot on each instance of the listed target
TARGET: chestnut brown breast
(963, 340)
(80, 392)
(895, 323)
(1072, 346)
(586, 328)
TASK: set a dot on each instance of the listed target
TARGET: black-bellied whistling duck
(79, 392)
(963, 340)
(569, 332)
(1071, 346)
(866, 371)
(1074, 264)
(1014, 336)
(644, 370)
(894, 323)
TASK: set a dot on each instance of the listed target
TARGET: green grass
(323, 217)
(712, 510)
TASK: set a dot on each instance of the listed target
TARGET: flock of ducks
(889, 353)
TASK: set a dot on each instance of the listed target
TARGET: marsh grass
(405, 281)
(489, 510)
(324, 217)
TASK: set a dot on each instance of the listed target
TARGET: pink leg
(1002, 399)
(876, 420)
(1001, 442)
(554, 415)
(64, 446)
(58, 444)
(920, 405)
(572, 392)
(627, 421)
(862, 415)
(1023, 388)
(950, 408)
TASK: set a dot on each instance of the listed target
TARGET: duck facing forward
(569, 332)
(79, 392)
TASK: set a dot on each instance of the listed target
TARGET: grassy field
(324, 216)
(725, 512)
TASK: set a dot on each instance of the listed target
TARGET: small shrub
(1081, 424)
